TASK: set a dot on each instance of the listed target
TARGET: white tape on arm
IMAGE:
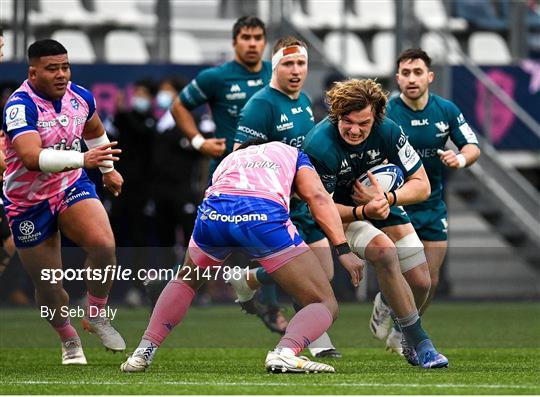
(197, 141)
(462, 161)
(97, 142)
(60, 160)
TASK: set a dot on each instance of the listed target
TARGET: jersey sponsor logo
(227, 218)
(74, 103)
(443, 127)
(460, 118)
(427, 152)
(62, 145)
(408, 156)
(255, 83)
(283, 118)
(233, 110)
(285, 123)
(419, 123)
(63, 120)
(251, 132)
(236, 93)
(296, 110)
(15, 117)
(235, 88)
(294, 142)
(345, 167)
(82, 193)
(46, 123)
(468, 133)
(26, 227)
(79, 120)
(262, 164)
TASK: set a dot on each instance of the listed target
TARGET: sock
(170, 309)
(411, 326)
(95, 305)
(146, 349)
(306, 326)
(66, 331)
(263, 277)
(269, 294)
(321, 344)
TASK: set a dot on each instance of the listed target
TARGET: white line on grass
(186, 383)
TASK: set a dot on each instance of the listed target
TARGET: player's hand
(213, 147)
(354, 265)
(97, 157)
(377, 207)
(362, 194)
(113, 181)
(448, 158)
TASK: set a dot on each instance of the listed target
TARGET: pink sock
(95, 304)
(66, 331)
(171, 307)
(306, 326)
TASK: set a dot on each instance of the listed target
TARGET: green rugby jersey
(273, 116)
(339, 163)
(226, 89)
(428, 130)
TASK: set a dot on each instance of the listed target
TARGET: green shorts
(431, 224)
(398, 216)
(308, 229)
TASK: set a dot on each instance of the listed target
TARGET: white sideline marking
(186, 383)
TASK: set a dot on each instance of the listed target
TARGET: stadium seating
(123, 13)
(8, 45)
(380, 14)
(78, 45)
(355, 61)
(384, 47)
(489, 48)
(185, 49)
(433, 16)
(327, 14)
(67, 13)
(125, 47)
(434, 44)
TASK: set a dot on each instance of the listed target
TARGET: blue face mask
(141, 104)
(164, 99)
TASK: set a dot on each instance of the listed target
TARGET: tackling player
(247, 208)
(46, 188)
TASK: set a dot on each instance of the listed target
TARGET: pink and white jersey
(265, 171)
(59, 123)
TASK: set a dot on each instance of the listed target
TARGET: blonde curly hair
(356, 94)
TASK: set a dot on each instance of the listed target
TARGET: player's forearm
(471, 153)
(184, 119)
(327, 216)
(412, 192)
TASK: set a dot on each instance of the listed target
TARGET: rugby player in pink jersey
(47, 190)
(247, 209)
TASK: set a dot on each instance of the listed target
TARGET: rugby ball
(389, 176)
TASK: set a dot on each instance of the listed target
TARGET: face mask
(140, 104)
(164, 99)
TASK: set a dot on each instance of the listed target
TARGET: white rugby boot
(140, 359)
(102, 328)
(381, 319)
(72, 352)
(279, 361)
(393, 342)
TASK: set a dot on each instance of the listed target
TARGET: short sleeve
(20, 115)
(461, 132)
(328, 177)
(402, 152)
(200, 90)
(87, 96)
(255, 121)
(303, 161)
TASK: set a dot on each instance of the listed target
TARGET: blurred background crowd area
(137, 55)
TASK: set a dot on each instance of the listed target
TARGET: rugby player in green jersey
(226, 89)
(282, 112)
(355, 137)
(429, 121)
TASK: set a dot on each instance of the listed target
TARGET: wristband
(197, 141)
(364, 213)
(462, 161)
(342, 249)
(97, 142)
(395, 198)
(354, 214)
(60, 160)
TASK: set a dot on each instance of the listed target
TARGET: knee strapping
(410, 252)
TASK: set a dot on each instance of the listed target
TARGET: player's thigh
(435, 253)
(44, 256)
(304, 279)
(86, 224)
(323, 252)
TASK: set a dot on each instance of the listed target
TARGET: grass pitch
(493, 348)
